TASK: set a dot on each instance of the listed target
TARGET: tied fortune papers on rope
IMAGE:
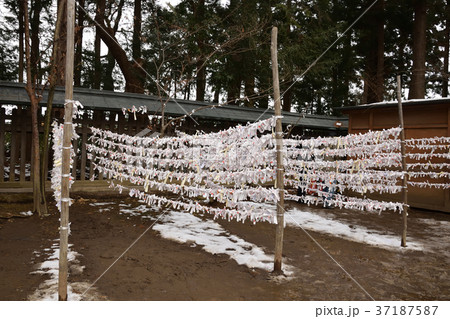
(238, 165)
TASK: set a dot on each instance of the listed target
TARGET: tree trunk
(234, 62)
(250, 69)
(417, 85)
(79, 44)
(446, 53)
(216, 95)
(234, 90)
(347, 72)
(249, 10)
(137, 26)
(370, 73)
(35, 52)
(55, 66)
(108, 80)
(235, 78)
(249, 90)
(21, 31)
(319, 105)
(200, 39)
(200, 81)
(38, 206)
(59, 58)
(287, 97)
(336, 88)
(97, 61)
(374, 70)
(132, 71)
(379, 77)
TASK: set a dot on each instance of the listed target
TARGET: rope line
(331, 257)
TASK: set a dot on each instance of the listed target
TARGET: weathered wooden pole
(403, 152)
(67, 145)
(279, 149)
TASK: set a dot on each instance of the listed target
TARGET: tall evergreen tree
(81, 17)
(417, 85)
(131, 70)
(372, 41)
(202, 46)
(445, 71)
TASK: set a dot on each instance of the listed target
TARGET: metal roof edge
(405, 103)
(246, 114)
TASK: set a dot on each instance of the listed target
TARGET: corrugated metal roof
(14, 93)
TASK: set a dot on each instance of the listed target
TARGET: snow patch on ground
(102, 204)
(186, 228)
(142, 210)
(48, 290)
(330, 224)
(315, 222)
(136, 211)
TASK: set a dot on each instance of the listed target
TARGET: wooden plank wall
(15, 143)
(420, 122)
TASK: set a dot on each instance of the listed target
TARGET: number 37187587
(406, 310)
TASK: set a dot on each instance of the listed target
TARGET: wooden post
(405, 176)
(84, 138)
(13, 148)
(65, 170)
(23, 144)
(279, 149)
(2, 143)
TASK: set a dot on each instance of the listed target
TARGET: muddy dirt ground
(161, 269)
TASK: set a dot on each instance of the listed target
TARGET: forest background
(219, 51)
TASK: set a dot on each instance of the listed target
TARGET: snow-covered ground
(48, 290)
(105, 207)
(332, 226)
(141, 210)
(433, 236)
(186, 228)
(27, 213)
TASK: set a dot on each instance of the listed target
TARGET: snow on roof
(437, 100)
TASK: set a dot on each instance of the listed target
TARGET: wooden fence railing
(15, 143)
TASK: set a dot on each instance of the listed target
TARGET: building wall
(421, 121)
